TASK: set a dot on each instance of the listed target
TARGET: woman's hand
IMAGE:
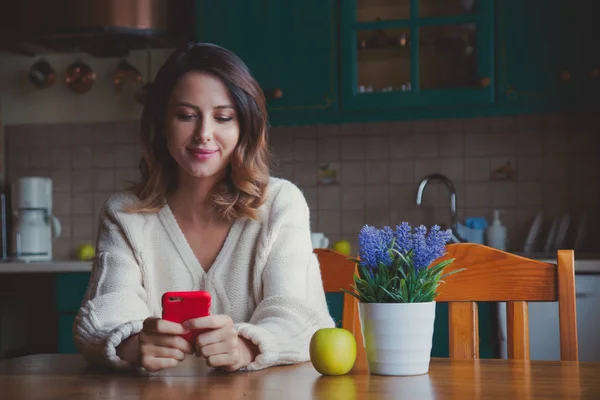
(160, 346)
(220, 345)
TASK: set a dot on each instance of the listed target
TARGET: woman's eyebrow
(195, 107)
(186, 104)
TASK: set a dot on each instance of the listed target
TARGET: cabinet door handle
(485, 81)
(274, 93)
(565, 76)
(582, 295)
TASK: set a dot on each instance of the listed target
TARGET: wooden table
(70, 377)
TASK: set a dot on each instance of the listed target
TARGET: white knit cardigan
(265, 277)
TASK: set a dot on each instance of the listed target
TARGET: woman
(204, 216)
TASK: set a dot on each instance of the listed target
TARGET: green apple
(343, 247)
(333, 351)
(85, 252)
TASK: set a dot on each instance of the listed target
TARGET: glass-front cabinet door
(398, 53)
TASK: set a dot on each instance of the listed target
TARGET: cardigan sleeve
(114, 306)
(293, 302)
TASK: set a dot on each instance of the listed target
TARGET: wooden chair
(496, 276)
(337, 272)
(491, 276)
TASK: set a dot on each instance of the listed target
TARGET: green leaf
(435, 268)
(357, 295)
(405, 259)
(404, 291)
(396, 297)
(454, 272)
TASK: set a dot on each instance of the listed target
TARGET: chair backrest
(496, 276)
(337, 272)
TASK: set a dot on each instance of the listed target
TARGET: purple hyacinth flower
(403, 238)
(428, 247)
(374, 246)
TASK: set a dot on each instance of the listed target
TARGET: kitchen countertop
(582, 266)
(57, 266)
(585, 263)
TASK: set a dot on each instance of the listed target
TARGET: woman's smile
(201, 154)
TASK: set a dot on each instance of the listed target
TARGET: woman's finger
(160, 339)
(163, 326)
(210, 322)
(154, 364)
(214, 349)
(215, 336)
(221, 360)
(150, 323)
(161, 351)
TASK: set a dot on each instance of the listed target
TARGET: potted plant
(396, 286)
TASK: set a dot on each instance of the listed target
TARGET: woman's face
(201, 125)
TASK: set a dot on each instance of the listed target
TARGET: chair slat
(567, 307)
(517, 327)
(463, 329)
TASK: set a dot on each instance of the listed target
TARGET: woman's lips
(201, 154)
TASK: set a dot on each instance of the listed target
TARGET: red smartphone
(181, 306)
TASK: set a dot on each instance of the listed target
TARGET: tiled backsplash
(378, 167)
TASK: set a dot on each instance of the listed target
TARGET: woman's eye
(223, 119)
(185, 117)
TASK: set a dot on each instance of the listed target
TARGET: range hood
(103, 28)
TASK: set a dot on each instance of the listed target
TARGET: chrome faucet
(439, 178)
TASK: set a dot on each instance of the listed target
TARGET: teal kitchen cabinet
(539, 52)
(416, 54)
(290, 47)
(411, 59)
(70, 290)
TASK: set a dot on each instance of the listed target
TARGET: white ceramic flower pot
(397, 337)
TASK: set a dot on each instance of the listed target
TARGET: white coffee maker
(34, 225)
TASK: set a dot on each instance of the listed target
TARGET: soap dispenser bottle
(496, 233)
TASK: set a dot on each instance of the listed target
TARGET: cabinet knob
(274, 93)
(485, 81)
(595, 73)
(565, 76)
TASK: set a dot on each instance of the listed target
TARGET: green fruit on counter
(85, 252)
(343, 247)
(333, 351)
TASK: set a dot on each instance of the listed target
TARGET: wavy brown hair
(242, 191)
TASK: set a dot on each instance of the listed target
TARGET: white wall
(22, 103)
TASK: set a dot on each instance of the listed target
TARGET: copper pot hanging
(80, 77)
(126, 73)
(42, 75)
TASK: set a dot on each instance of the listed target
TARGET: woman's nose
(204, 132)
